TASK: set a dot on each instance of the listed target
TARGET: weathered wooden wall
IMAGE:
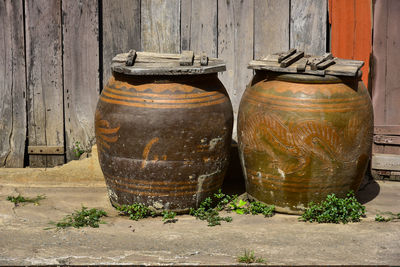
(386, 88)
(49, 82)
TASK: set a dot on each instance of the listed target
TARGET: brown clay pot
(302, 137)
(163, 140)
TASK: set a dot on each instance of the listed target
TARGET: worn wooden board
(385, 162)
(271, 27)
(44, 78)
(160, 26)
(199, 31)
(387, 139)
(235, 47)
(340, 68)
(308, 20)
(385, 65)
(121, 30)
(150, 63)
(81, 72)
(12, 84)
(46, 150)
(393, 64)
(387, 129)
(379, 66)
(392, 92)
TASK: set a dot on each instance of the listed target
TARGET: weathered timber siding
(385, 73)
(69, 45)
(81, 72)
(12, 84)
(44, 79)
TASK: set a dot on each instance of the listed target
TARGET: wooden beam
(385, 162)
(387, 129)
(387, 139)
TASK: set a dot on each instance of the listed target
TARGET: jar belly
(168, 158)
(300, 142)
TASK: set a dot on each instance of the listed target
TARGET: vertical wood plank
(160, 26)
(44, 78)
(121, 30)
(392, 116)
(235, 46)
(379, 61)
(81, 72)
(199, 26)
(271, 27)
(308, 25)
(12, 84)
(342, 20)
(352, 31)
(363, 35)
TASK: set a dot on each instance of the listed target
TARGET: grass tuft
(248, 257)
(84, 217)
(20, 199)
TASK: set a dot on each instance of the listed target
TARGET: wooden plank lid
(148, 63)
(294, 61)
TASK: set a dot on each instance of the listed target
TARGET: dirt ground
(281, 239)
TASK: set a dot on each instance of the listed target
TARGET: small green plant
(207, 212)
(209, 209)
(136, 211)
(82, 218)
(78, 149)
(239, 206)
(257, 207)
(388, 216)
(380, 218)
(335, 210)
(169, 216)
(20, 199)
(248, 257)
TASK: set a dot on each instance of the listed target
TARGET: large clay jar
(302, 137)
(163, 132)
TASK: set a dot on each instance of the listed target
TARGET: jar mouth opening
(305, 78)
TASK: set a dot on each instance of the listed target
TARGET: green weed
(248, 257)
(210, 207)
(207, 212)
(136, 211)
(78, 149)
(335, 210)
(388, 216)
(20, 199)
(260, 208)
(82, 218)
(169, 216)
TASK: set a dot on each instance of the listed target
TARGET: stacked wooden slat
(294, 61)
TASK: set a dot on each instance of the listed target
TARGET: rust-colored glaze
(302, 137)
(163, 140)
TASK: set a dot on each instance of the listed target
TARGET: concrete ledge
(76, 173)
